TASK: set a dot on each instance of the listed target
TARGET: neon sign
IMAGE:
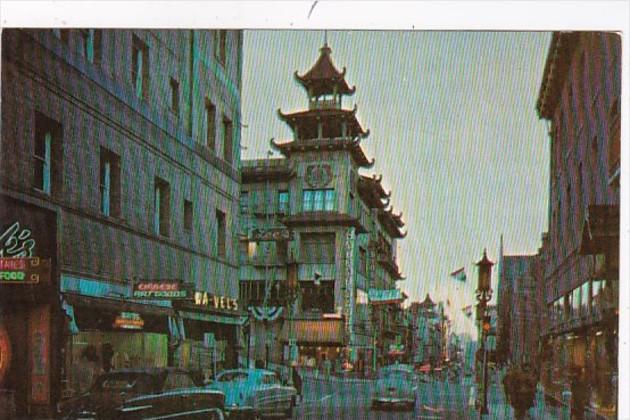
(16, 242)
(218, 302)
(24, 270)
(129, 321)
(159, 290)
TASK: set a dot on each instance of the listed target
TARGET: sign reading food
(28, 270)
(165, 290)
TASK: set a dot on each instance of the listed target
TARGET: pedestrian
(297, 382)
(579, 392)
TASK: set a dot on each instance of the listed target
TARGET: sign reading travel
(129, 321)
(26, 270)
(216, 302)
(166, 290)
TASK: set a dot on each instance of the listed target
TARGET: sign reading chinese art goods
(216, 302)
(27, 270)
(167, 290)
(129, 321)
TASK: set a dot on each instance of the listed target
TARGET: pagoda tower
(326, 125)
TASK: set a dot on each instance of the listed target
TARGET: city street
(337, 399)
(350, 398)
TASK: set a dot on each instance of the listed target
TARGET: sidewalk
(499, 408)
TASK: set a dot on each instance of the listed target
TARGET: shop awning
(601, 228)
(327, 331)
(385, 296)
(116, 305)
(218, 319)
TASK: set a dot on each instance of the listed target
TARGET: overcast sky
(454, 131)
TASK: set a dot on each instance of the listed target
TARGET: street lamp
(484, 294)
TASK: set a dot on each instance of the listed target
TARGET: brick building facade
(129, 141)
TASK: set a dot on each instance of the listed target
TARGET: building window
(283, 202)
(47, 154)
(318, 200)
(318, 248)
(91, 45)
(140, 68)
(221, 233)
(227, 140)
(318, 298)
(174, 95)
(162, 209)
(210, 124)
(110, 183)
(188, 215)
(362, 261)
(244, 202)
(220, 46)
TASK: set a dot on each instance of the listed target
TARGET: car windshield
(232, 377)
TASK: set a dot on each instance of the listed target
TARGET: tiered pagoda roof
(372, 192)
(325, 125)
(392, 222)
(353, 145)
(309, 119)
(324, 78)
(427, 303)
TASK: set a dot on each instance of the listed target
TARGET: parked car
(111, 389)
(396, 385)
(192, 403)
(251, 393)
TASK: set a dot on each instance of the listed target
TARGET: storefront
(320, 342)
(212, 337)
(107, 333)
(29, 312)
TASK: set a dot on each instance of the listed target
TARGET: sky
(454, 132)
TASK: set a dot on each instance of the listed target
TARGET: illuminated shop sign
(129, 321)
(167, 290)
(27, 270)
(216, 302)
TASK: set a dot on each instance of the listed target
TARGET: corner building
(120, 165)
(580, 98)
(335, 239)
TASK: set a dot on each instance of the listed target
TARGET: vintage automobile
(254, 393)
(396, 386)
(111, 389)
(192, 403)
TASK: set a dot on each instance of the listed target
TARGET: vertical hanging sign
(39, 343)
(349, 295)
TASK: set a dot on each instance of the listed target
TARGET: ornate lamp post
(484, 294)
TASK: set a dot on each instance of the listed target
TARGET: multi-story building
(119, 167)
(318, 244)
(580, 98)
(427, 326)
(518, 324)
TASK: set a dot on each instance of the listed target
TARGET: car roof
(254, 372)
(149, 370)
(179, 391)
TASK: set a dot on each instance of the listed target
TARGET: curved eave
(312, 115)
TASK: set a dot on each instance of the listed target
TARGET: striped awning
(327, 331)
